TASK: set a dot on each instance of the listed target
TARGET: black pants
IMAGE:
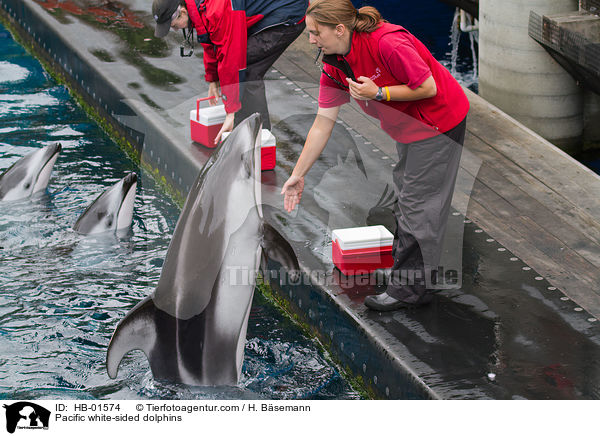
(424, 180)
(264, 48)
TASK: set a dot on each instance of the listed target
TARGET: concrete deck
(526, 216)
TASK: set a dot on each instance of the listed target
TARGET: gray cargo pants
(424, 180)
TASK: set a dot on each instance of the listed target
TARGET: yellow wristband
(387, 91)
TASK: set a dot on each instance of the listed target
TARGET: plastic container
(206, 123)
(268, 149)
(362, 250)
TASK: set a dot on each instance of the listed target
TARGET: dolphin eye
(27, 185)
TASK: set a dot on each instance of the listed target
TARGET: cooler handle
(198, 100)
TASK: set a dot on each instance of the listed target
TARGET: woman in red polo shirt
(241, 41)
(394, 78)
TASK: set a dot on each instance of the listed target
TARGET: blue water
(62, 294)
(431, 22)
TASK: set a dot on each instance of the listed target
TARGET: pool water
(431, 21)
(62, 294)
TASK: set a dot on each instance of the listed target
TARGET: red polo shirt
(391, 56)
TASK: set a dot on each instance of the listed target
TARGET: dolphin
(112, 210)
(30, 174)
(193, 327)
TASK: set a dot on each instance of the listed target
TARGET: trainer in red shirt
(394, 78)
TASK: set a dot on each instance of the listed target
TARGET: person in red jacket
(394, 78)
(241, 41)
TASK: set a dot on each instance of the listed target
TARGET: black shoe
(385, 303)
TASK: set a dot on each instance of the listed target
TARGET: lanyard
(320, 65)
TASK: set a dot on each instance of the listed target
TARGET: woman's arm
(366, 89)
(317, 138)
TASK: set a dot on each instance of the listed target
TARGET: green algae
(155, 76)
(103, 55)
(149, 101)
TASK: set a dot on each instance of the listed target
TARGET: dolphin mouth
(53, 150)
(127, 197)
(129, 180)
(49, 159)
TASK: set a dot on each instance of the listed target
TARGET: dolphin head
(112, 210)
(30, 174)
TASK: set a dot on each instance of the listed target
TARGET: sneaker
(385, 303)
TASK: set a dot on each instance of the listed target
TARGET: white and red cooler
(206, 123)
(361, 250)
(268, 149)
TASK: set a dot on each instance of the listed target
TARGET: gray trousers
(424, 180)
(263, 50)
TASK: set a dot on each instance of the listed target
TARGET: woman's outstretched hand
(292, 189)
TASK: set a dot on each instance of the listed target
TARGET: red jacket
(223, 27)
(399, 59)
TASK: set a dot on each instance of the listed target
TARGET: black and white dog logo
(26, 415)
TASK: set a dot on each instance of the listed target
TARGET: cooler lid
(362, 237)
(211, 115)
(267, 139)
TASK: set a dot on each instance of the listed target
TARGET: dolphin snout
(56, 148)
(130, 179)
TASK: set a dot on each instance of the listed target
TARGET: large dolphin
(30, 174)
(193, 327)
(112, 210)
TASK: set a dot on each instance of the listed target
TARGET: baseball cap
(162, 11)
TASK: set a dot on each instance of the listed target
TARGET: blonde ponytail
(333, 12)
(367, 19)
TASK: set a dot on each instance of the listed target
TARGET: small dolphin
(193, 327)
(30, 174)
(112, 210)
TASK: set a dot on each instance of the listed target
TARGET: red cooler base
(361, 261)
(267, 158)
(204, 135)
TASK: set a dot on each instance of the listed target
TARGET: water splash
(463, 66)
